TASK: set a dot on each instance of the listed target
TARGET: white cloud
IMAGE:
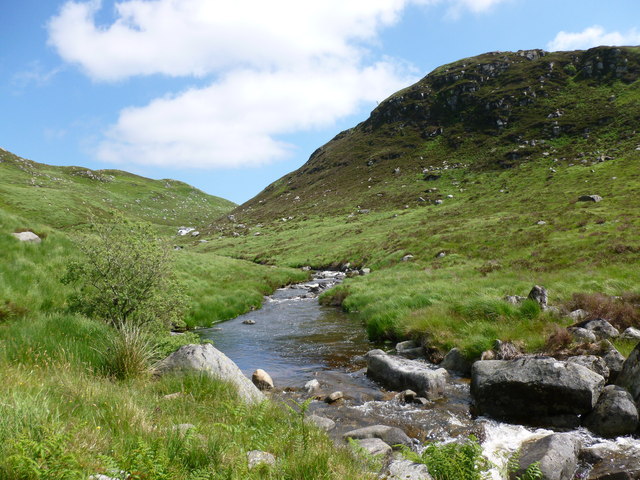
(592, 37)
(237, 120)
(272, 68)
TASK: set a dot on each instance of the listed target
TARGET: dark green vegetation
(476, 171)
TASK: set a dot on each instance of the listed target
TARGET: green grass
(65, 197)
(61, 418)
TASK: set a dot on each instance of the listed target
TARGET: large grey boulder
(629, 377)
(323, 423)
(531, 388)
(400, 373)
(405, 470)
(557, 455)
(615, 414)
(29, 237)
(211, 361)
(580, 334)
(390, 435)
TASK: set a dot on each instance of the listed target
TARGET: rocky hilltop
(493, 111)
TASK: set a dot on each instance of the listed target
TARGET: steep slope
(487, 113)
(463, 188)
(66, 196)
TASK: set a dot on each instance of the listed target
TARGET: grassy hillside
(66, 415)
(477, 172)
(64, 197)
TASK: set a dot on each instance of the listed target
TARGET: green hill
(63, 197)
(476, 171)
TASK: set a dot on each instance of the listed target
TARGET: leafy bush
(452, 461)
(126, 276)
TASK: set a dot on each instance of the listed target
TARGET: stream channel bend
(295, 340)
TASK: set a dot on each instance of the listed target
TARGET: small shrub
(622, 312)
(10, 310)
(558, 339)
(129, 353)
(452, 461)
(126, 276)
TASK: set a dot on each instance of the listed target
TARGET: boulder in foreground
(534, 389)
(207, 359)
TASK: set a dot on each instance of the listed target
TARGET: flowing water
(296, 340)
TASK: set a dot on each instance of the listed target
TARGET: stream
(295, 340)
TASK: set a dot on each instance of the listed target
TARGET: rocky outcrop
(207, 359)
(534, 390)
(401, 373)
(615, 414)
(556, 454)
(392, 436)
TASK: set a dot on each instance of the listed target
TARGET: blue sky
(230, 96)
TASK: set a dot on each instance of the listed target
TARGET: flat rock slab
(211, 361)
(530, 387)
(27, 237)
(374, 446)
(401, 374)
(323, 423)
(390, 435)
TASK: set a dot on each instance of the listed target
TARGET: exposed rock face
(531, 390)
(207, 359)
(557, 455)
(615, 414)
(629, 377)
(455, 361)
(262, 380)
(390, 435)
(29, 237)
(400, 374)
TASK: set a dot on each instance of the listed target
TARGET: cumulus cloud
(592, 37)
(271, 69)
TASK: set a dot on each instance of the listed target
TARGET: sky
(229, 96)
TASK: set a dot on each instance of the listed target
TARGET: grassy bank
(63, 417)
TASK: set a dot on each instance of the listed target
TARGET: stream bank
(296, 341)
